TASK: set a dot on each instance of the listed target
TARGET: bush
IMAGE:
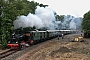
(4, 46)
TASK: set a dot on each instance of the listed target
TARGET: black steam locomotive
(21, 40)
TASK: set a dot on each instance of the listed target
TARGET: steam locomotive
(22, 40)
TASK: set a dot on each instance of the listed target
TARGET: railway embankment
(55, 49)
(61, 49)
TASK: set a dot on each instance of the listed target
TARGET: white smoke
(78, 22)
(72, 25)
(66, 22)
(43, 17)
(46, 15)
(70, 22)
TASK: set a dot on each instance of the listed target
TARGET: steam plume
(45, 17)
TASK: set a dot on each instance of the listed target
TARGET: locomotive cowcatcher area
(62, 49)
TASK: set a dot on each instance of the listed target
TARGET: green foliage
(9, 10)
(86, 24)
(4, 42)
(60, 18)
(87, 16)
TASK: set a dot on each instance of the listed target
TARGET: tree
(9, 10)
(60, 18)
(87, 16)
(86, 24)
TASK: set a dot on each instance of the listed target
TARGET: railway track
(7, 53)
(26, 50)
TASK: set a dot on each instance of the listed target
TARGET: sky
(76, 8)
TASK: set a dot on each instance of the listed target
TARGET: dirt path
(60, 50)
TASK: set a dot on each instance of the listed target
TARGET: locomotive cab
(29, 38)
